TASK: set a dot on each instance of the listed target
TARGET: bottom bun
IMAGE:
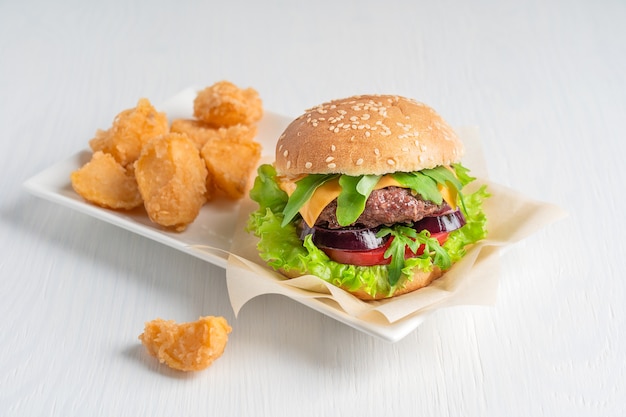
(420, 279)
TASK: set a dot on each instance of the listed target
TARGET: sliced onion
(363, 239)
(353, 239)
(445, 223)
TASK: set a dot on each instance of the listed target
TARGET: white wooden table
(544, 80)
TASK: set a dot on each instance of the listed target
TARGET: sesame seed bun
(368, 134)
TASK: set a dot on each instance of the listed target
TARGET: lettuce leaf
(282, 249)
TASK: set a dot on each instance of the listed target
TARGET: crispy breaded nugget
(186, 346)
(230, 165)
(225, 104)
(196, 130)
(103, 181)
(172, 180)
(131, 129)
(200, 132)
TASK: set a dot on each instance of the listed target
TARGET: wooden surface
(544, 81)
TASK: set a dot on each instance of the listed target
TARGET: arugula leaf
(354, 194)
(402, 236)
(443, 176)
(462, 174)
(367, 183)
(303, 192)
(421, 184)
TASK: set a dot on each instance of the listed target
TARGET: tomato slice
(375, 256)
(359, 257)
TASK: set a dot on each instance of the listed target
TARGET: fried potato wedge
(186, 347)
(201, 133)
(131, 130)
(230, 166)
(106, 183)
(224, 104)
(171, 177)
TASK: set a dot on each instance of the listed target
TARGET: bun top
(368, 134)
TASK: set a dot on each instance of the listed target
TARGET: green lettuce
(280, 246)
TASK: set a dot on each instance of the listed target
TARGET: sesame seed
(359, 161)
(286, 153)
(391, 162)
(288, 164)
(367, 134)
(333, 148)
(332, 165)
(330, 158)
(376, 151)
(308, 165)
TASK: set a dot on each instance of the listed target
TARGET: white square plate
(215, 225)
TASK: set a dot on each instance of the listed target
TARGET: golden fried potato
(103, 181)
(224, 104)
(230, 165)
(200, 132)
(131, 129)
(171, 177)
(186, 346)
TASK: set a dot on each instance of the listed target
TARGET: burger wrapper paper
(471, 281)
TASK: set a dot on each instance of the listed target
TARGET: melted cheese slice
(330, 190)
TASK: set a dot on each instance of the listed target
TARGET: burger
(367, 193)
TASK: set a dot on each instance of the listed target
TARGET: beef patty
(385, 206)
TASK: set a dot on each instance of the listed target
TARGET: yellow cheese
(330, 190)
(322, 197)
(449, 195)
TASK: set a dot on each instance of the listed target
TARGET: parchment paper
(472, 281)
